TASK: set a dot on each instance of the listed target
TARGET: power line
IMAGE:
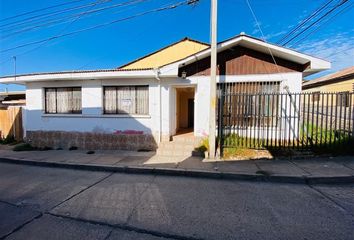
(39, 10)
(318, 20)
(173, 6)
(45, 15)
(304, 22)
(263, 38)
(67, 18)
(45, 42)
(319, 26)
(53, 21)
(61, 32)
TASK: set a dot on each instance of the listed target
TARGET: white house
(139, 108)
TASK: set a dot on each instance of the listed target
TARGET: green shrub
(204, 145)
(24, 147)
(232, 139)
(46, 148)
(8, 140)
(319, 135)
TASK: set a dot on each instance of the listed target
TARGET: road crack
(81, 191)
(340, 206)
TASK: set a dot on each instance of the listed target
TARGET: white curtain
(142, 100)
(50, 100)
(76, 100)
(64, 100)
(126, 100)
(110, 101)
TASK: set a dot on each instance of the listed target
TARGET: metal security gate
(296, 120)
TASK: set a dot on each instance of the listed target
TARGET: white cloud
(272, 35)
(338, 49)
(256, 28)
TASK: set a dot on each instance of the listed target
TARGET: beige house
(169, 54)
(341, 83)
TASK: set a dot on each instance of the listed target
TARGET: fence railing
(296, 120)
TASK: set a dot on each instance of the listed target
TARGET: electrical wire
(303, 22)
(67, 18)
(319, 26)
(45, 15)
(261, 31)
(39, 10)
(318, 20)
(173, 6)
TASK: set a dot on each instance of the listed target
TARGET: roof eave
(65, 76)
(316, 64)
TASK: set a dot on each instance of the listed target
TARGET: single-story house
(13, 98)
(147, 101)
(341, 81)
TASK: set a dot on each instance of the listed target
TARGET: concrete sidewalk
(312, 170)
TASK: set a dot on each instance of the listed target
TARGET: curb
(187, 172)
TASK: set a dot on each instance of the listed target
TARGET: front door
(185, 109)
(191, 113)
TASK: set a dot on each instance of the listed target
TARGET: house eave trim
(23, 79)
(315, 64)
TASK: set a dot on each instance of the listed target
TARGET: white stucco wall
(92, 118)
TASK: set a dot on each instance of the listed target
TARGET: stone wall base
(90, 141)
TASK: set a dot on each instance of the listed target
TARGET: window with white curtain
(63, 100)
(126, 100)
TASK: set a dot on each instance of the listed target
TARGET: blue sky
(119, 43)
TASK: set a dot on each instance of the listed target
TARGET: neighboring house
(167, 55)
(132, 108)
(341, 82)
(12, 99)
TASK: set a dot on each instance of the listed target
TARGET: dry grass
(246, 154)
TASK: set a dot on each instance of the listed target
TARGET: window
(343, 99)
(126, 100)
(316, 96)
(250, 103)
(63, 100)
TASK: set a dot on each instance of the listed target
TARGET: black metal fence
(296, 120)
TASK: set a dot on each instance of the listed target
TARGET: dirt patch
(232, 154)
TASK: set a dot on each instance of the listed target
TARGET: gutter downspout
(157, 76)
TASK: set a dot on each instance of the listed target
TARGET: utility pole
(213, 62)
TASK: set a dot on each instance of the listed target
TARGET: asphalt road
(48, 203)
